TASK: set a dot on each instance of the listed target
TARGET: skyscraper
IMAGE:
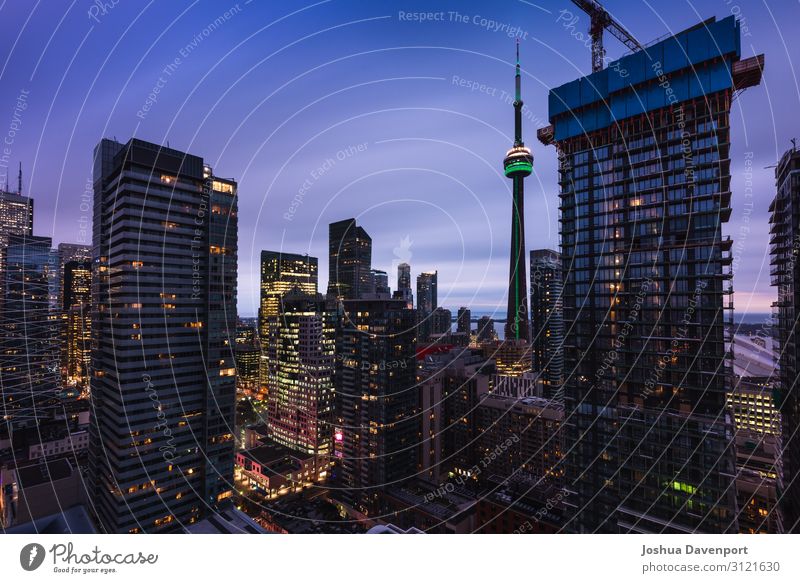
(404, 284)
(427, 302)
(376, 380)
(380, 281)
(349, 260)
(28, 345)
(76, 307)
(441, 321)
(163, 383)
(547, 326)
(16, 218)
(517, 164)
(16, 215)
(280, 273)
(464, 321)
(300, 345)
(784, 238)
(65, 253)
(644, 172)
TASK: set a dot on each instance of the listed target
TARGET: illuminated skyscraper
(16, 218)
(427, 302)
(28, 345)
(280, 273)
(163, 384)
(77, 301)
(349, 260)
(65, 253)
(300, 348)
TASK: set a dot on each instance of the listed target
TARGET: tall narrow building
(76, 309)
(300, 345)
(464, 321)
(644, 176)
(784, 237)
(349, 260)
(404, 289)
(65, 253)
(376, 390)
(28, 345)
(517, 164)
(547, 326)
(280, 273)
(427, 302)
(163, 383)
(16, 218)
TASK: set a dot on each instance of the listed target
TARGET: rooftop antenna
(794, 143)
(19, 183)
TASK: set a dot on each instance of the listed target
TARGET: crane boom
(600, 20)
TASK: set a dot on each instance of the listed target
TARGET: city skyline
(172, 358)
(453, 108)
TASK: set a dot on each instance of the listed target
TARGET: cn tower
(517, 165)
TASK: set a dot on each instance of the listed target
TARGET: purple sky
(348, 109)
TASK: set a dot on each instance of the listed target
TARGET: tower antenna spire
(518, 103)
(19, 180)
(518, 164)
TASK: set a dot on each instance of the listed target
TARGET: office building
(66, 253)
(300, 348)
(644, 173)
(427, 302)
(248, 358)
(16, 218)
(280, 273)
(380, 282)
(404, 284)
(163, 382)
(28, 344)
(76, 305)
(349, 260)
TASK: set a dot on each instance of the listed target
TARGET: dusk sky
(335, 109)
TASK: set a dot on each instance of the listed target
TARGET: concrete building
(644, 174)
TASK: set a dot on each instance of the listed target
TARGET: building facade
(76, 296)
(785, 275)
(547, 325)
(163, 383)
(280, 273)
(300, 345)
(378, 399)
(349, 260)
(29, 340)
(645, 189)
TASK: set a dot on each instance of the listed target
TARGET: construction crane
(601, 20)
